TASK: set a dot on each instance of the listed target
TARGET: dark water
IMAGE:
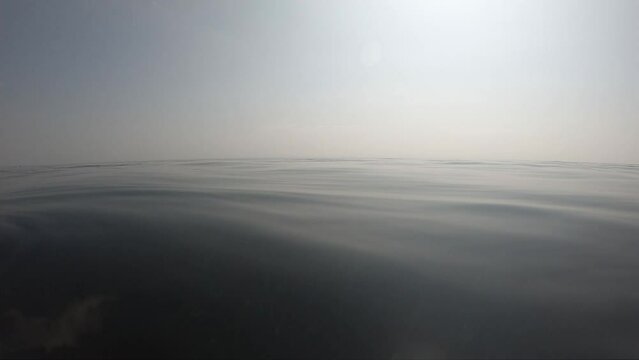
(361, 258)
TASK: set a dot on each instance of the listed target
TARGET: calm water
(308, 258)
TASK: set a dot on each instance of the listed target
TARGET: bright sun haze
(92, 81)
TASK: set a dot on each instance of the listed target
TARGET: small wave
(354, 258)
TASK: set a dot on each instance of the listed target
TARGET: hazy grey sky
(84, 81)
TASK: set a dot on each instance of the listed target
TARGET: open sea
(377, 258)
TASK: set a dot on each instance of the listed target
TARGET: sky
(98, 81)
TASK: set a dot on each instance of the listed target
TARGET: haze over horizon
(100, 81)
(359, 179)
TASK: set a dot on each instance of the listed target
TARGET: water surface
(381, 258)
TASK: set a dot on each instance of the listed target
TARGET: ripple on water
(316, 258)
